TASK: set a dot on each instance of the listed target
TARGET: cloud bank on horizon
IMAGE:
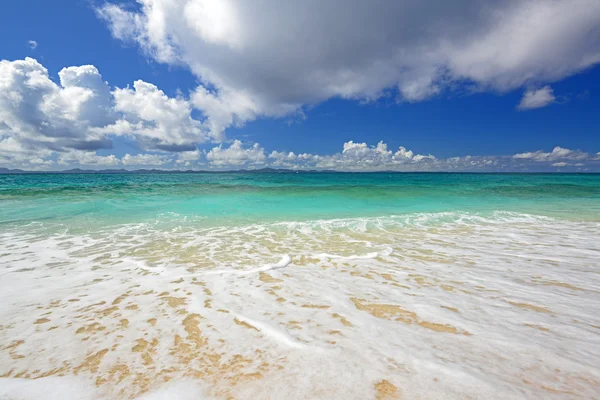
(271, 59)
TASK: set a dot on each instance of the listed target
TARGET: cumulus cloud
(82, 113)
(558, 153)
(362, 157)
(144, 159)
(236, 155)
(14, 154)
(79, 158)
(537, 98)
(157, 120)
(356, 157)
(32, 44)
(270, 58)
(87, 158)
(35, 110)
(352, 157)
(227, 107)
(188, 158)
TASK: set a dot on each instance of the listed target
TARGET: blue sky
(245, 86)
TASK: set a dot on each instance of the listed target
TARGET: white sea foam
(268, 330)
(368, 256)
(284, 262)
(51, 388)
(424, 306)
(180, 390)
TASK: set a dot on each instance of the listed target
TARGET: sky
(349, 85)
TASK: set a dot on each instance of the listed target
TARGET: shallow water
(348, 286)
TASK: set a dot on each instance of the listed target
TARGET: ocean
(300, 286)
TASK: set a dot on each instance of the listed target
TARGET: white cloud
(236, 155)
(271, 58)
(82, 113)
(38, 113)
(225, 107)
(78, 157)
(537, 98)
(558, 153)
(144, 159)
(13, 153)
(32, 44)
(351, 157)
(355, 157)
(157, 120)
(291, 160)
(362, 157)
(187, 158)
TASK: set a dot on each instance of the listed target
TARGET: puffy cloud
(14, 154)
(32, 44)
(362, 157)
(558, 153)
(358, 156)
(78, 157)
(86, 158)
(38, 113)
(144, 159)
(155, 119)
(270, 58)
(362, 150)
(188, 157)
(73, 119)
(537, 98)
(236, 155)
(354, 157)
(226, 107)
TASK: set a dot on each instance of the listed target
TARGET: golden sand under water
(190, 354)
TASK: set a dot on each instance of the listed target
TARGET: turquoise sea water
(240, 198)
